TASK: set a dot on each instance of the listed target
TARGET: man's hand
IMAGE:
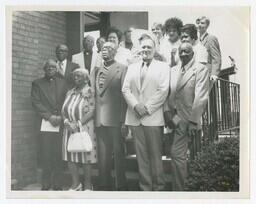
(54, 120)
(192, 129)
(124, 130)
(141, 110)
(213, 78)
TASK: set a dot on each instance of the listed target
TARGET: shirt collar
(64, 62)
(188, 65)
(147, 63)
(203, 36)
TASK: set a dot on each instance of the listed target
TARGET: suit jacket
(42, 97)
(110, 104)
(79, 59)
(70, 67)
(214, 58)
(152, 93)
(188, 92)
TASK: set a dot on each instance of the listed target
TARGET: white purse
(80, 141)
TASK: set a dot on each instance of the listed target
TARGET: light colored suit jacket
(79, 59)
(152, 93)
(214, 58)
(110, 104)
(188, 92)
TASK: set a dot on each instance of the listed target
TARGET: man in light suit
(65, 67)
(145, 89)
(87, 58)
(110, 115)
(212, 45)
(189, 85)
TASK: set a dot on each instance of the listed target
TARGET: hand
(168, 119)
(58, 120)
(54, 120)
(192, 129)
(171, 124)
(141, 110)
(124, 130)
(213, 77)
(71, 126)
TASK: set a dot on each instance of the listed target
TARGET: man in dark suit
(64, 66)
(47, 95)
(110, 111)
(212, 45)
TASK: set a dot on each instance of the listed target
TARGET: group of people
(159, 87)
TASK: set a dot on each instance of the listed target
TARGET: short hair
(207, 20)
(100, 38)
(116, 31)
(128, 30)
(175, 23)
(145, 36)
(158, 25)
(88, 36)
(59, 45)
(191, 30)
(84, 73)
(47, 63)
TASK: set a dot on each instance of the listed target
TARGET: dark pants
(179, 150)
(110, 141)
(51, 159)
(149, 148)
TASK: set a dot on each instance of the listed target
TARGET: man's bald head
(88, 43)
(186, 53)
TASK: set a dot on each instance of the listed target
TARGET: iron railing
(221, 116)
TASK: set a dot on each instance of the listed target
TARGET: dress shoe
(45, 187)
(89, 189)
(78, 188)
(123, 188)
(57, 188)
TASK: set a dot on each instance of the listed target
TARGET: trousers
(149, 149)
(109, 142)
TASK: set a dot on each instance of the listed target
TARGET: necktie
(173, 52)
(61, 71)
(143, 72)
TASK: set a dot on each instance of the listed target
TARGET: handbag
(80, 141)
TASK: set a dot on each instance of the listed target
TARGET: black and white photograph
(122, 101)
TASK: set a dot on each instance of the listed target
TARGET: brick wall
(34, 38)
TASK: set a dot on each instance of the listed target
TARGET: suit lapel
(45, 89)
(68, 69)
(185, 78)
(204, 40)
(94, 56)
(82, 59)
(148, 73)
(175, 75)
(113, 70)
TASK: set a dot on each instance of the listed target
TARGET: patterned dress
(76, 105)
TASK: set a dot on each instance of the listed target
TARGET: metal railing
(221, 116)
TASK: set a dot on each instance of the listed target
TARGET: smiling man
(64, 66)
(189, 87)
(145, 89)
